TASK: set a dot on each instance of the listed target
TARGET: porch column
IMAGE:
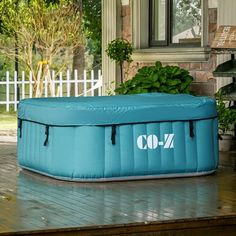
(110, 30)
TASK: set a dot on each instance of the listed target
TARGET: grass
(8, 120)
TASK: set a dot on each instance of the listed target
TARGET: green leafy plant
(120, 50)
(168, 79)
(226, 115)
(92, 26)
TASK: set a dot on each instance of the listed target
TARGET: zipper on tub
(113, 127)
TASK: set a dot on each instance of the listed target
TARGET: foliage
(120, 50)
(5, 65)
(92, 25)
(43, 31)
(168, 79)
(226, 116)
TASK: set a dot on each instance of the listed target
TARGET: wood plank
(35, 204)
(204, 227)
(225, 37)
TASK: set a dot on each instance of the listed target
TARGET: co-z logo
(151, 141)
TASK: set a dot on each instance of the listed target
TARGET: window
(175, 22)
(163, 44)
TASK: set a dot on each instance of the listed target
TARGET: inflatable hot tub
(118, 137)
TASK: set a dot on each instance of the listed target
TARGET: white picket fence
(18, 87)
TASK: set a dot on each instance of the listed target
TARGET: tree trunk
(79, 65)
(78, 60)
(121, 73)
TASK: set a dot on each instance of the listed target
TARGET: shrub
(167, 79)
(226, 115)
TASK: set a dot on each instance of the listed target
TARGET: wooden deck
(31, 204)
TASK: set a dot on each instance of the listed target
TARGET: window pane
(158, 20)
(186, 21)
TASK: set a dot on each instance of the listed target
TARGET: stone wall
(204, 83)
(126, 22)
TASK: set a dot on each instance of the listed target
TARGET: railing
(68, 84)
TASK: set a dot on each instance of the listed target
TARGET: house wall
(204, 83)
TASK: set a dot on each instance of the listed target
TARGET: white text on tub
(152, 142)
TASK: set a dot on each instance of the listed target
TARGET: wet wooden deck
(37, 205)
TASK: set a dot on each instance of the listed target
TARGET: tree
(120, 50)
(46, 31)
(92, 26)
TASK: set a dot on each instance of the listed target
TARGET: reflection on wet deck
(33, 202)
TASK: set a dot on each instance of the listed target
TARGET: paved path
(8, 139)
(8, 136)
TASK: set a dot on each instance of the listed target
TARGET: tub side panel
(191, 150)
(180, 147)
(127, 145)
(141, 153)
(88, 159)
(112, 163)
(206, 149)
(87, 152)
(167, 151)
(154, 155)
(216, 142)
(61, 150)
(77, 152)
(31, 151)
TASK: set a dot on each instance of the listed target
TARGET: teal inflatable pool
(118, 137)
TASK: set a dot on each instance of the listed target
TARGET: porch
(31, 204)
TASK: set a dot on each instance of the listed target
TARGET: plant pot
(226, 142)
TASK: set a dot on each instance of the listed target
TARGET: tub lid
(111, 110)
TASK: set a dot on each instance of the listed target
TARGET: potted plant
(157, 78)
(226, 120)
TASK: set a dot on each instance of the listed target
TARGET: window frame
(154, 43)
(143, 53)
(168, 28)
